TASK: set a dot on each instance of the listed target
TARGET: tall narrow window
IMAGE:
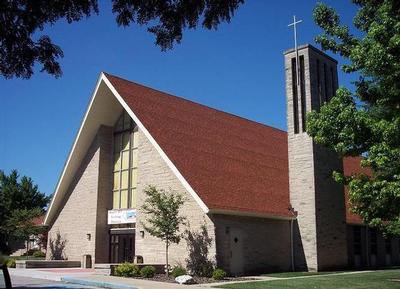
(326, 83)
(388, 246)
(373, 241)
(319, 92)
(295, 97)
(333, 82)
(303, 94)
(398, 245)
(125, 163)
(357, 240)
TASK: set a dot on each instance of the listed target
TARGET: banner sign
(121, 216)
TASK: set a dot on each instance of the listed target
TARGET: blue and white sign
(121, 216)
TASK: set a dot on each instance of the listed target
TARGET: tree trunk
(166, 259)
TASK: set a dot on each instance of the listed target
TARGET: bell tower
(320, 230)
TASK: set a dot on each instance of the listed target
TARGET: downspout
(294, 213)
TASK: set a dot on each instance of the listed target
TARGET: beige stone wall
(78, 215)
(266, 243)
(104, 199)
(83, 212)
(319, 201)
(152, 170)
(88, 199)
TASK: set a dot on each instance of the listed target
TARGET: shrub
(10, 263)
(178, 271)
(148, 271)
(218, 274)
(39, 254)
(30, 252)
(127, 270)
(205, 270)
(198, 245)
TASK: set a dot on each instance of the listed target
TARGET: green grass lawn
(298, 274)
(369, 280)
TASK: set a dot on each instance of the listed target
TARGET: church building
(264, 197)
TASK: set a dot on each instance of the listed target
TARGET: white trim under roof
(70, 169)
(56, 193)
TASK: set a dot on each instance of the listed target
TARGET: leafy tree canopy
(366, 122)
(21, 22)
(20, 202)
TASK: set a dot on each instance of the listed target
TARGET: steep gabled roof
(233, 164)
(229, 164)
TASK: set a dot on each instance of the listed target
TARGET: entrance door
(236, 244)
(122, 248)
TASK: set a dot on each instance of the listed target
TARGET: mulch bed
(198, 280)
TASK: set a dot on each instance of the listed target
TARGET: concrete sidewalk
(125, 283)
(88, 277)
(131, 283)
(51, 274)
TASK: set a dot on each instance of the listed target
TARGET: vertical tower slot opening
(295, 97)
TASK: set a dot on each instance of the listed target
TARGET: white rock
(184, 279)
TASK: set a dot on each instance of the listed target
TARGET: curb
(100, 284)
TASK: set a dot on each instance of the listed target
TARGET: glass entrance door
(122, 248)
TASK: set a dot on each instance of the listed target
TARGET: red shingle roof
(232, 163)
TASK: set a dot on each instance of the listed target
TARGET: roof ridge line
(196, 103)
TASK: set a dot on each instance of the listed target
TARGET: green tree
(162, 216)
(21, 22)
(20, 202)
(365, 122)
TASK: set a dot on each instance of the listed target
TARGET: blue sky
(238, 69)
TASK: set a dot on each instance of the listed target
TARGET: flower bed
(149, 272)
(198, 280)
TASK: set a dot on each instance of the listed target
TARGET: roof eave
(71, 152)
(250, 214)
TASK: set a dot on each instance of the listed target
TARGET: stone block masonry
(153, 170)
(83, 211)
(320, 242)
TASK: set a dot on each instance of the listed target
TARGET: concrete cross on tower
(294, 24)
